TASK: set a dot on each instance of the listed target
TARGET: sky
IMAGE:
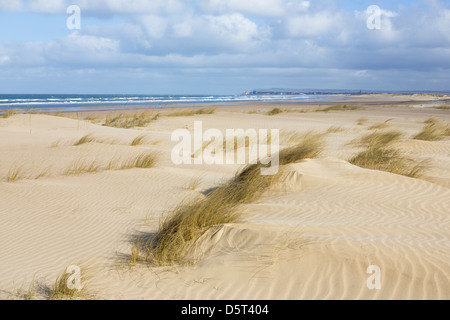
(222, 46)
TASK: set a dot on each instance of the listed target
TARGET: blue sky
(222, 46)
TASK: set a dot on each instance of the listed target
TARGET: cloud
(200, 36)
(10, 5)
(48, 6)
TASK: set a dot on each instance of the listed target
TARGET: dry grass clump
(80, 167)
(434, 130)
(62, 291)
(335, 129)
(382, 125)
(25, 294)
(18, 173)
(180, 229)
(90, 138)
(361, 121)
(127, 122)
(379, 139)
(190, 113)
(340, 107)
(193, 184)
(380, 155)
(139, 140)
(156, 116)
(443, 107)
(15, 174)
(142, 161)
(274, 112)
(9, 113)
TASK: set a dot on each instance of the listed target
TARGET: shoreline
(420, 100)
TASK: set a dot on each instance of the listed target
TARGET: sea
(83, 102)
(86, 102)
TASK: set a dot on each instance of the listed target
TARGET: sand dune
(312, 236)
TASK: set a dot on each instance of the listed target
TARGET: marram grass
(182, 227)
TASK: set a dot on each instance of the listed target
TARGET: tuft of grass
(127, 122)
(142, 161)
(380, 155)
(379, 139)
(434, 130)
(61, 290)
(274, 112)
(340, 107)
(361, 121)
(25, 294)
(335, 129)
(379, 126)
(432, 120)
(156, 116)
(139, 140)
(443, 107)
(190, 113)
(15, 174)
(9, 113)
(18, 173)
(181, 228)
(89, 138)
(193, 184)
(79, 167)
(136, 249)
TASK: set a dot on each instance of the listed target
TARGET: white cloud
(49, 6)
(310, 25)
(154, 26)
(10, 5)
(234, 27)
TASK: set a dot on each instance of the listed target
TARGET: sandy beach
(74, 191)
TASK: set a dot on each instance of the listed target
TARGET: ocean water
(62, 102)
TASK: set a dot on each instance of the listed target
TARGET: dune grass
(379, 154)
(193, 184)
(361, 121)
(18, 173)
(434, 130)
(80, 167)
(181, 227)
(143, 161)
(335, 129)
(274, 112)
(61, 290)
(379, 139)
(25, 294)
(9, 113)
(443, 107)
(339, 107)
(139, 140)
(381, 125)
(91, 138)
(15, 174)
(190, 113)
(126, 122)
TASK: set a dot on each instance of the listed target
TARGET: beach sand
(313, 237)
